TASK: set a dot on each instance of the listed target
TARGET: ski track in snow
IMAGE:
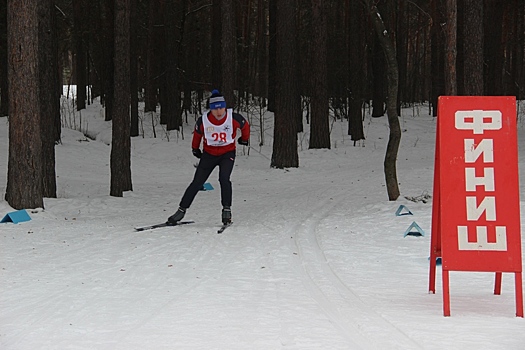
(315, 259)
(356, 321)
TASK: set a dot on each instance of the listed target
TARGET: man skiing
(217, 129)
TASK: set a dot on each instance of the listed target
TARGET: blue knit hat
(217, 100)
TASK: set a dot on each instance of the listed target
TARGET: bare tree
(228, 52)
(394, 139)
(285, 154)
(24, 173)
(320, 124)
(108, 51)
(272, 53)
(120, 162)
(171, 102)
(3, 59)
(473, 47)
(152, 57)
(133, 68)
(216, 47)
(451, 86)
(49, 93)
(357, 81)
(80, 19)
(494, 44)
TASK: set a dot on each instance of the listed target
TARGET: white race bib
(219, 135)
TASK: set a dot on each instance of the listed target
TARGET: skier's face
(218, 112)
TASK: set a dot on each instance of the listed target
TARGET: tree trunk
(378, 82)
(494, 53)
(24, 173)
(357, 81)
(262, 51)
(152, 81)
(437, 55)
(108, 52)
(473, 47)
(216, 47)
(120, 141)
(385, 38)
(49, 98)
(285, 153)
(228, 53)
(451, 86)
(320, 123)
(133, 69)
(171, 106)
(3, 60)
(272, 53)
(80, 18)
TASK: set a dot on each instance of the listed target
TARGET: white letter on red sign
(472, 151)
(487, 205)
(475, 120)
(482, 239)
(471, 181)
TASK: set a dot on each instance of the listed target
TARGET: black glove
(242, 142)
(197, 152)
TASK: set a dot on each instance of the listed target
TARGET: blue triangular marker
(400, 212)
(207, 187)
(16, 216)
(419, 231)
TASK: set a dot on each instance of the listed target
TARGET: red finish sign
(476, 208)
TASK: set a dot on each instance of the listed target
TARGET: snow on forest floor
(316, 257)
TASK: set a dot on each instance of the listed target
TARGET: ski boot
(175, 218)
(226, 215)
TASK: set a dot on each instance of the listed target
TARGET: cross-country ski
(164, 224)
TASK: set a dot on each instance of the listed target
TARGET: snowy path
(316, 258)
(355, 319)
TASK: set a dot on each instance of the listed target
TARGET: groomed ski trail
(358, 322)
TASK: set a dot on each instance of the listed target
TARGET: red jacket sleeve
(243, 125)
(198, 133)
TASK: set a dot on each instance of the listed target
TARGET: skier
(218, 129)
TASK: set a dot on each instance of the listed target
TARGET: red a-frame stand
(476, 213)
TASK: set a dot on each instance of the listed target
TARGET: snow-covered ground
(316, 258)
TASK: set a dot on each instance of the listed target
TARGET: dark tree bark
(493, 46)
(133, 69)
(402, 21)
(378, 79)
(49, 97)
(120, 143)
(152, 55)
(320, 123)
(473, 47)
(518, 70)
(3, 59)
(171, 102)
(285, 153)
(451, 87)
(394, 139)
(272, 53)
(216, 48)
(108, 52)
(228, 53)
(80, 19)
(24, 173)
(437, 54)
(356, 49)
(262, 51)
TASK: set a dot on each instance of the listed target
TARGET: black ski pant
(206, 165)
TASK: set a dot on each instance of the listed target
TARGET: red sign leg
(446, 294)
(519, 295)
(497, 284)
